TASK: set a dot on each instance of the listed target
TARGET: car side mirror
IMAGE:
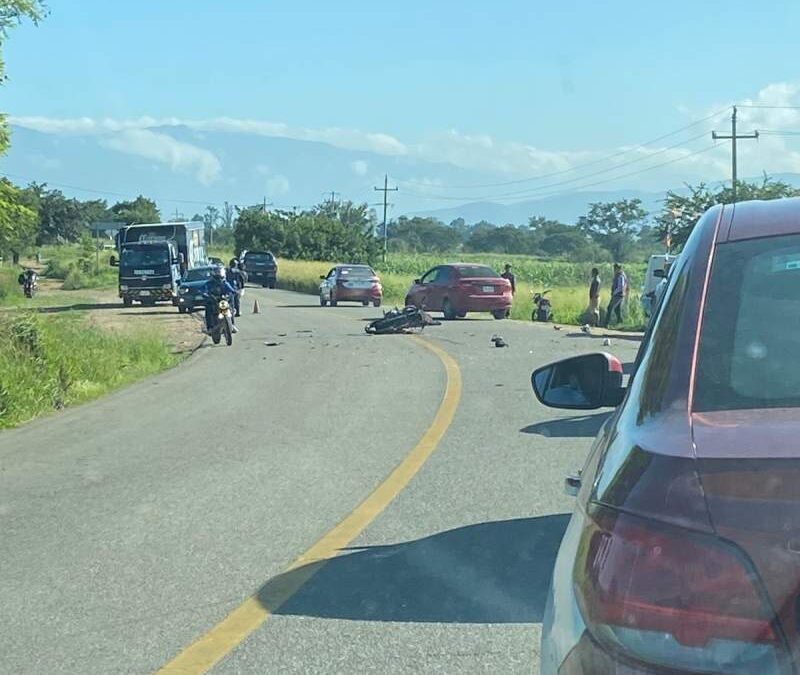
(659, 273)
(113, 261)
(322, 276)
(417, 281)
(584, 382)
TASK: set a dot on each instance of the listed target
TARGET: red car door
(427, 294)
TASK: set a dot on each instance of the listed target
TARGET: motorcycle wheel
(215, 335)
(228, 332)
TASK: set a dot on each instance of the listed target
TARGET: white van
(653, 276)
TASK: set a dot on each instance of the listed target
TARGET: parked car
(352, 283)
(458, 288)
(261, 267)
(656, 269)
(683, 551)
(189, 297)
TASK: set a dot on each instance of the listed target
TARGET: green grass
(78, 268)
(48, 362)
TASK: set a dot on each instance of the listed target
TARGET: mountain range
(185, 169)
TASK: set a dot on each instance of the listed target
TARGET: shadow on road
(495, 572)
(79, 306)
(569, 427)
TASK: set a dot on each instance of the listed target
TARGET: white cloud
(278, 185)
(359, 167)
(649, 167)
(180, 156)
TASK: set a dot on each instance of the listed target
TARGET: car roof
(756, 219)
(348, 265)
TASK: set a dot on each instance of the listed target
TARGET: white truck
(656, 267)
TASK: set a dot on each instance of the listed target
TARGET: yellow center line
(210, 648)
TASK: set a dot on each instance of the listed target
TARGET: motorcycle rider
(236, 279)
(28, 279)
(216, 288)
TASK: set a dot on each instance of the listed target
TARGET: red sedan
(351, 283)
(683, 551)
(458, 288)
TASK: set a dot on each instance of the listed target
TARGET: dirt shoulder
(105, 310)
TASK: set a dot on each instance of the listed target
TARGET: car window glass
(430, 277)
(751, 328)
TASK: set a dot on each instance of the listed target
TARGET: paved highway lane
(132, 526)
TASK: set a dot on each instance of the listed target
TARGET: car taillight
(671, 596)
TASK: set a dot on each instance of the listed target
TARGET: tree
(228, 215)
(140, 210)
(614, 225)
(12, 12)
(420, 234)
(17, 221)
(681, 212)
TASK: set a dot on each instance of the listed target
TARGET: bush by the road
(78, 266)
(48, 362)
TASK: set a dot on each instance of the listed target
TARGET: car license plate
(488, 289)
(198, 297)
(144, 292)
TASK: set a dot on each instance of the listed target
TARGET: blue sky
(449, 79)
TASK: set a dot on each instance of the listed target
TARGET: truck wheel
(272, 285)
(182, 310)
(127, 302)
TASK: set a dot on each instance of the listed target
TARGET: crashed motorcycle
(224, 325)
(542, 310)
(401, 321)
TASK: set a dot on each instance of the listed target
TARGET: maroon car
(351, 283)
(683, 551)
(459, 288)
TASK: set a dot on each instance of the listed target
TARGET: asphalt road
(131, 526)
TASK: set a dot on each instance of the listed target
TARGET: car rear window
(259, 257)
(751, 327)
(476, 272)
(356, 272)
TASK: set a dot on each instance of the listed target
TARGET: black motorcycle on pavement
(401, 321)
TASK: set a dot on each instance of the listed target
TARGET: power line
(768, 107)
(386, 190)
(595, 162)
(533, 190)
(733, 137)
(579, 188)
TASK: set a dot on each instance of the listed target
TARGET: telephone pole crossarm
(733, 137)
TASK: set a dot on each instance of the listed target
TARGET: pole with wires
(733, 136)
(386, 190)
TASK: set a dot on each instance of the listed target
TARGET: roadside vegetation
(49, 362)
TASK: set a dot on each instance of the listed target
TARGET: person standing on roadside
(509, 276)
(594, 298)
(619, 290)
(236, 279)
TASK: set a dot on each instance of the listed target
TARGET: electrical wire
(595, 162)
(580, 188)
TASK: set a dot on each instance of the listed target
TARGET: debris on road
(498, 341)
(556, 327)
(607, 342)
(272, 344)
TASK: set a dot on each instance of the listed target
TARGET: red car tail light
(672, 596)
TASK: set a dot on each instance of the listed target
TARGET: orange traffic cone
(256, 309)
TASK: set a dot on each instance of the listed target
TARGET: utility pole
(733, 136)
(265, 205)
(386, 190)
(333, 196)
